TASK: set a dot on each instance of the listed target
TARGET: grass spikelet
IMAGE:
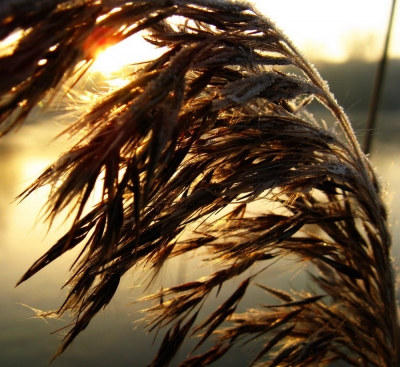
(209, 146)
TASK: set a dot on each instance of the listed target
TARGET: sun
(132, 50)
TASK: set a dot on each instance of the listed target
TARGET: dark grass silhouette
(209, 127)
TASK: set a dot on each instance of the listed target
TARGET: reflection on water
(28, 341)
(111, 338)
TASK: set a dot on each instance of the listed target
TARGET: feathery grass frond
(195, 139)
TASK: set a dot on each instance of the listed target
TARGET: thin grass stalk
(183, 152)
(378, 86)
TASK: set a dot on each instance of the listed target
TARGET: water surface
(111, 339)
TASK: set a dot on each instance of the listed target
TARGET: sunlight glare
(330, 29)
(10, 43)
(32, 168)
(129, 51)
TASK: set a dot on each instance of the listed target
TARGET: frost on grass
(182, 151)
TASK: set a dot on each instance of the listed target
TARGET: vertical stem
(376, 92)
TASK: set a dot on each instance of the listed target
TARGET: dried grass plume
(211, 126)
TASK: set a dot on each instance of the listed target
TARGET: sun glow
(132, 50)
(10, 43)
(330, 29)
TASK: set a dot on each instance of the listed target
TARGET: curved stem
(376, 93)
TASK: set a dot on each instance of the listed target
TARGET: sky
(332, 29)
(322, 29)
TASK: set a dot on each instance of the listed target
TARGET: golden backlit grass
(210, 126)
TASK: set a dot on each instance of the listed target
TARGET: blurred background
(343, 39)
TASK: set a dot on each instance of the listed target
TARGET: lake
(114, 337)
